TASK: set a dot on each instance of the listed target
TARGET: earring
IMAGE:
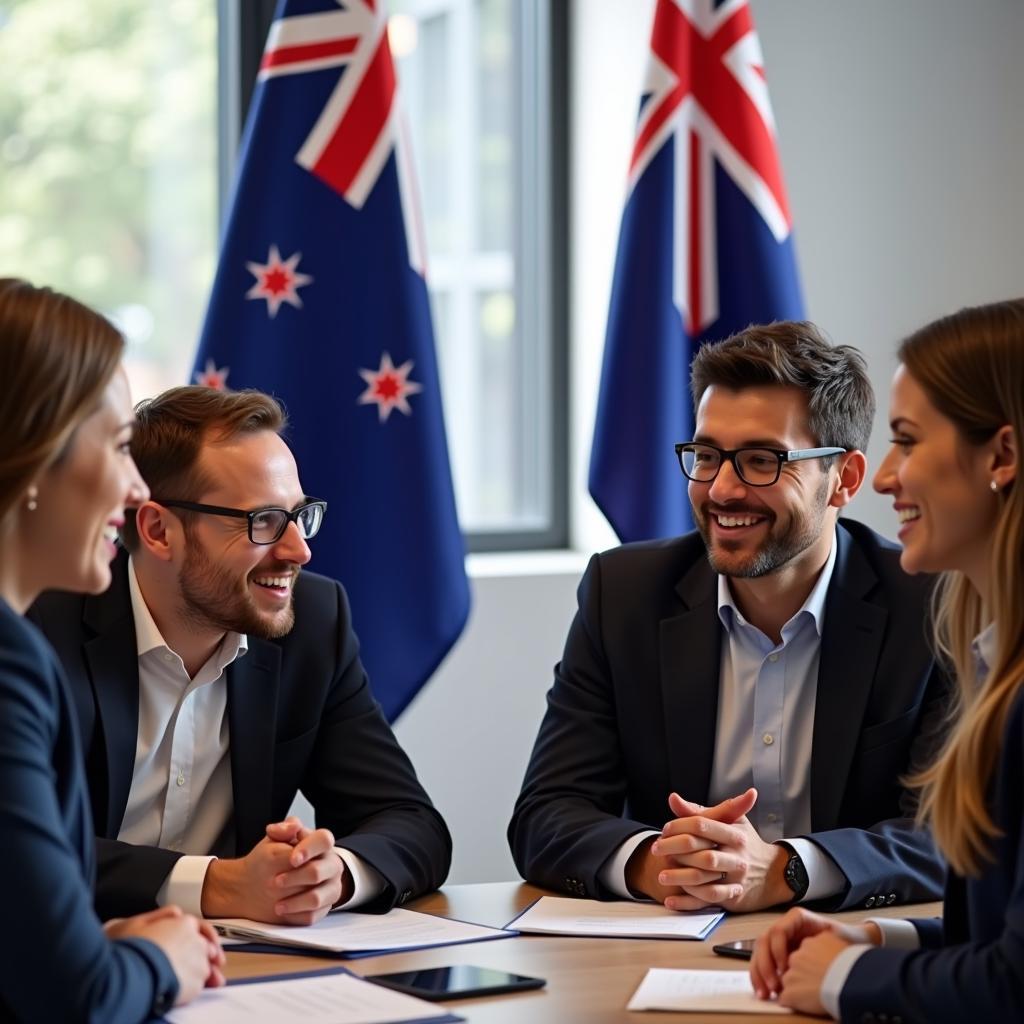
(993, 485)
(33, 495)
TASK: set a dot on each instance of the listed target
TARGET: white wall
(903, 149)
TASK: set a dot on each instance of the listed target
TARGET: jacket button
(891, 898)
(869, 902)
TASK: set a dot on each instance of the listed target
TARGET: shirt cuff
(613, 872)
(183, 887)
(897, 933)
(835, 977)
(823, 875)
(367, 882)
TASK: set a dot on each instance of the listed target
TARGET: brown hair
(172, 429)
(834, 379)
(56, 358)
(971, 367)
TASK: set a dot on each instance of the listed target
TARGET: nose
(727, 486)
(291, 547)
(137, 490)
(886, 480)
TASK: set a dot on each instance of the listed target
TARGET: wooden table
(589, 980)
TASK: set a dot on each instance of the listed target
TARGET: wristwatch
(795, 875)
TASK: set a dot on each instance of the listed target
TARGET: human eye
(761, 460)
(904, 442)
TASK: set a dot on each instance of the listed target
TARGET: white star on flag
(388, 387)
(212, 376)
(277, 281)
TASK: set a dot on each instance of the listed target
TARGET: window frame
(542, 242)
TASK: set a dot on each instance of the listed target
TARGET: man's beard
(776, 550)
(211, 598)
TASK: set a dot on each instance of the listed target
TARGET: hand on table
(190, 945)
(292, 876)
(718, 859)
(793, 956)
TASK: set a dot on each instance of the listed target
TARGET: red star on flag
(388, 387)
(212, 377)
(277, 281)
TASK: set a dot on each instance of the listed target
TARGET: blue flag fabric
(320, 299)
(705, 249)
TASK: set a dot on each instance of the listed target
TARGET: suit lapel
(690, 663)
(850, 647)
(253, 682)
(112, 664)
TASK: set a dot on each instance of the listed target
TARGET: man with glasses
(214, 680)
(737, 709)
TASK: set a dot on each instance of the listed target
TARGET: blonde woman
(66, 476)
(957, 413)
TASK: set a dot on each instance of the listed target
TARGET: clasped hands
(292, 876)
(710, 856)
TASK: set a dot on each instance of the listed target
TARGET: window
(110, 174)
(108, 165)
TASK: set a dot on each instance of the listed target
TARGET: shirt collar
(814, 606)
(148, 636)
(983, 647)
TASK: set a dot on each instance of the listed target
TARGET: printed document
(562, 915)
(700, 992)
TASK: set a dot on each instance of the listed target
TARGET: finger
(716, 893)
(318, 898)
(713, 832)
(762, 966)
(683, 808)
(315, 872)
(729, 810)
(685, 901)
(780, 946)
(215, 979)
(690, 878)
(680, 845)
(313, 845)
(288, 831)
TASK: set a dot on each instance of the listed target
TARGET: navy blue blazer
(632, 714)
(57, 963)
(971, 964)
(301, 715)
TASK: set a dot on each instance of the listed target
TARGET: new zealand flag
(320, 299)
(705, 249)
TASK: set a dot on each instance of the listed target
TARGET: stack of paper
(700, 992)
(350, 935)
(559, 915)
(321, 997)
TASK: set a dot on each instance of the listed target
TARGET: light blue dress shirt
(764, 731)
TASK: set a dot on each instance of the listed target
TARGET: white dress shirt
(764, 732)
(898, 933)
(181, 796)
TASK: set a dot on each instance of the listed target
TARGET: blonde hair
(56, 358)
(971, 366)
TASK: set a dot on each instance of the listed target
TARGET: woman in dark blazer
(954, 474)
(66, 477)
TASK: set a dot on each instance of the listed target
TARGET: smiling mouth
(908, 515)
(274, 582)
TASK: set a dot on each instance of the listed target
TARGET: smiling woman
(66, 477)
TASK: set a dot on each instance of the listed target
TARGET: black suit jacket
(632, 715)
(971, 965)
(301, 716)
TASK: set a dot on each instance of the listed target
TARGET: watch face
(796, 875)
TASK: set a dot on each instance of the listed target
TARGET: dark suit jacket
(632, 715)
(301, 716)
(57, 964)
(971, 966)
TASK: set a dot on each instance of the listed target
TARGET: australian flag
(320, 299)
(705, 249)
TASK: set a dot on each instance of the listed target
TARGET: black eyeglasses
(759, 467)
(266, 525)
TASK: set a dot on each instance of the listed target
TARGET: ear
(158, 530)
(853, 469)
(1004, 457)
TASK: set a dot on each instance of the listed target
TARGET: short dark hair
(794, 353)
(171, 430)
